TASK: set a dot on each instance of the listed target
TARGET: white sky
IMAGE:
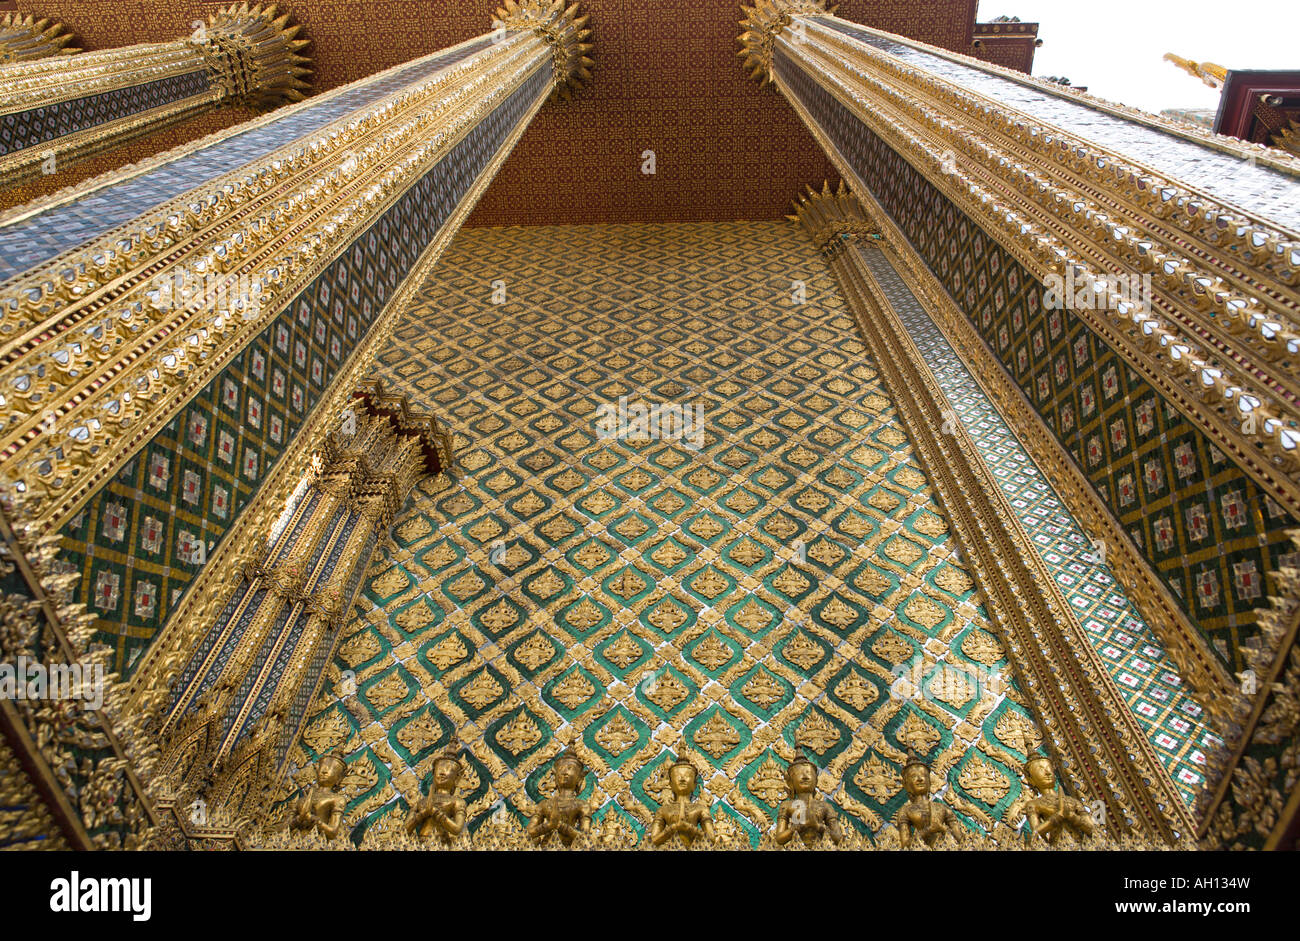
(1115, 47)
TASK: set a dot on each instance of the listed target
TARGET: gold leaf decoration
(705, 527)
(420, 733)
(763, 690)
(802, 651)
(816, 732)
(500, 616)
(592, 555)
(390, 582)
(583, 616)
(624, 651)
(709, 584)
(954, 580)
(481, 691)
(768, 783)
(448, 651)
(925, 611)
(668, 692)
(361, 647)
(826, 552)
(485, 529)
(388, 692)
(546, 585)
(877, 779)
(717, 736)
(790, 583)
(857, 691)
(667, 615)
(982, 647)
(413, 529)
(573, 690)
(983, 780)
(535, 651)
(753, 617)
(916, 733)
(891, 648)
(931, 525)
(327, 732)
(711, 652)
(837, 613)
(904, 551)
(415, 618)
(668, 554)
(1018, 731)
(519, 734)
(627, 584)
(617, 735)
(747, 552)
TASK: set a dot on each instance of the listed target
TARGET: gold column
(1103, 750)
(97, 356)
(63, 109)
(233, 719)
(24, 37)
(1215, 336)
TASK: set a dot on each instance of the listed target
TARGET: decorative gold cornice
(763, 23)
(561, 28)
(23, 37)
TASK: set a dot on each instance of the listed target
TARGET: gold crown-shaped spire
(829, 214)
(763, 22)
(563, 29)
(255, 54)
(23, 37)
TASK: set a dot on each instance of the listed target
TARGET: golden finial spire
(1209, 73)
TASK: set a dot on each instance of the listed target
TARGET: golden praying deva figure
(441, 813)
(1052, 812)
(923, 816)
(320, 806)
(682, 816)
(803, 812)
(565, 813)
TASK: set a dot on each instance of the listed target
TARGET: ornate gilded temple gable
(1201, 522)
(789, 585)
(148, 530)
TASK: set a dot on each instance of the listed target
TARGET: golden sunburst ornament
(23, 37)
(563, 29)
(255, 54)
(763, 22)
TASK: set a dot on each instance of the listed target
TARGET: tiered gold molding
(248, 56)
(23, 37)
(306, 569)
(93, 362)
(1102, 750)
(1218, 341)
